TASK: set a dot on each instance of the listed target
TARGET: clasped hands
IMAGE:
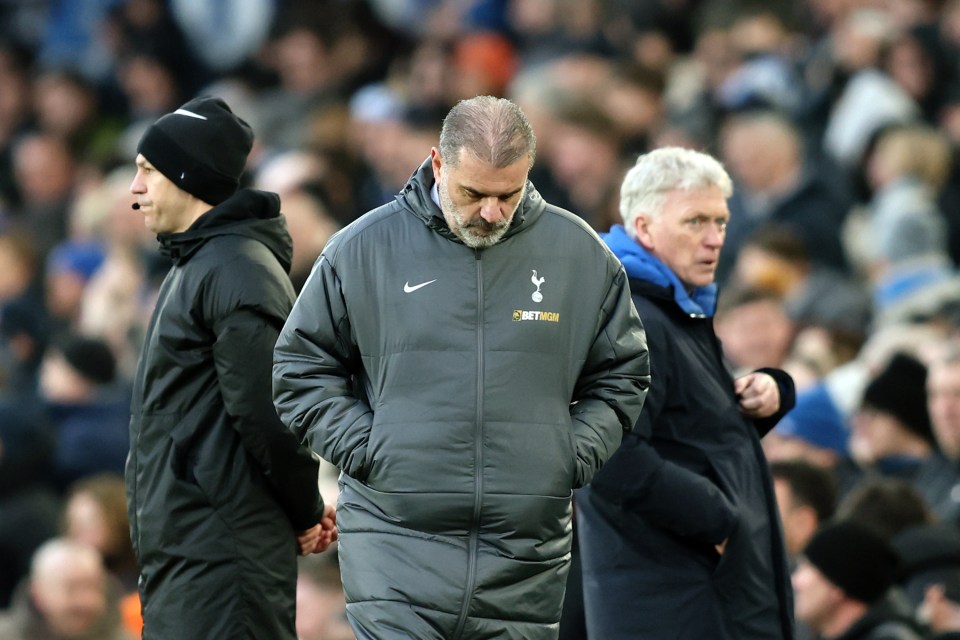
(320, 536)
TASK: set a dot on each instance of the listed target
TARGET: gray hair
(663, 170)
(494, 130)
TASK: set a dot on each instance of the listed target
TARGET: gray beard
(488, 235)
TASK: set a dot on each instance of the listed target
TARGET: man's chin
(482, 241)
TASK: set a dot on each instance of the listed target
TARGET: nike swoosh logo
(408, 289)
(184, 112)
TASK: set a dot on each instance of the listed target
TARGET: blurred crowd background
(839, 121)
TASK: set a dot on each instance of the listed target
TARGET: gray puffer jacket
(464, 394)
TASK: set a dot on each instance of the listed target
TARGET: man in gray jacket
(467, 355)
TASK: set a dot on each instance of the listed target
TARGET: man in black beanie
(841, 585)
(221, 495)
(892, 433)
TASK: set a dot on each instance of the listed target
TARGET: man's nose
(490, 210)
(714, 235)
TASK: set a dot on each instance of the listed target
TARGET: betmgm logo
(539, 316)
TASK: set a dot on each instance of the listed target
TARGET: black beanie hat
(855, 558)
(901, 390)
(201, 147)
(90, 357)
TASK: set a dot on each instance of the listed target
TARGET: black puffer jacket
(216, 484)
(440, 380)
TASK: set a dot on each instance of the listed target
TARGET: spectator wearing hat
(892, 433)
(841, 584)
(221, 496)
(815, 431)
(88, 412)
(930, 575)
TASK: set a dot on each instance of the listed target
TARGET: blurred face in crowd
(799, 520)
(876, 435)
(163, 204)
(943, 397)
(87, 524)
(43, 167)
(687, 234)
(755, 334)
(815, 597)
(69, 590)
(478, 200)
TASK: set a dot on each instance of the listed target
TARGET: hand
(307, 540)
(722, 546)
(941, 614)
(759, 395)
(328, 529)
(320, 536)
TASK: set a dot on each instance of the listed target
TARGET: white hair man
(678, 533)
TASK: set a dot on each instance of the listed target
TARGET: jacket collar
(250, 213)
(642, 266)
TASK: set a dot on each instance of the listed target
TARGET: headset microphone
(135, 206)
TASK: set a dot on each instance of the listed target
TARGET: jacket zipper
(472, 542)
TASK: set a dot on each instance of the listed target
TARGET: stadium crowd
(838, 120)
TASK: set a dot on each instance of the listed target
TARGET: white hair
(663, 170)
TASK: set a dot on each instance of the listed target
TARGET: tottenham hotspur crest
(537, 296)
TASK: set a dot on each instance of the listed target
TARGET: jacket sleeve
(242, 352)
(314, 374)
(612, 384)
(662, 492)
(667, 495)
(788, 398)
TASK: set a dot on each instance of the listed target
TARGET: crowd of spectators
(839, 121)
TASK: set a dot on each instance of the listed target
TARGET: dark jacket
(216, 484)
(440, 382)
(689, 476)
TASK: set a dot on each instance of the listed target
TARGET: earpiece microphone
(135, 206)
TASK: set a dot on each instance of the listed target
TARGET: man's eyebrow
(503, 196)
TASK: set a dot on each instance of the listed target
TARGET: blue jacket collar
(641, 265)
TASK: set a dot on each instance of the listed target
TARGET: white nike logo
(408, 289)
(184, 112)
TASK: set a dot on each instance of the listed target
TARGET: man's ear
(435, 162)
(641, 228)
